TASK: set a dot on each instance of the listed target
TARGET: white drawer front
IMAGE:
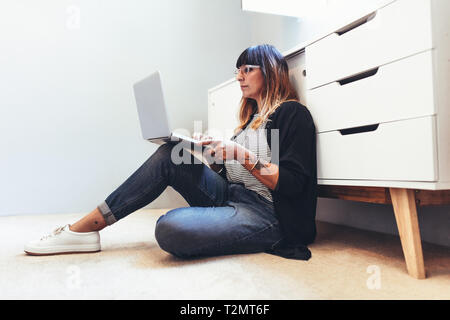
(398, 30)
(399, 151)
(399, 90)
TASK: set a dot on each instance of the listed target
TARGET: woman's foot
(63, 240)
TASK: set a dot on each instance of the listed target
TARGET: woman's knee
(171, 237)
(164, 150)
(175, 154)
(162, 158)
(162, 233)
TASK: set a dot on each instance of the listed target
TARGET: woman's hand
(201, 136)
(226, 150)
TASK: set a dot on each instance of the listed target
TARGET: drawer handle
(359, 76)
(356, 24)
(362, 129)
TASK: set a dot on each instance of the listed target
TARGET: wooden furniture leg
(403, 201)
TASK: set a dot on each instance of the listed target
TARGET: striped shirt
(256, 142)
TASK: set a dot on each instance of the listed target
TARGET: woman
(257, 195)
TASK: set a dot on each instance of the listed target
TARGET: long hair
(277, 87)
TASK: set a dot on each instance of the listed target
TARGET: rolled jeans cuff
(107, 213)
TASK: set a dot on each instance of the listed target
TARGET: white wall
(69, 131)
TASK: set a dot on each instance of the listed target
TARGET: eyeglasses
(246, 69)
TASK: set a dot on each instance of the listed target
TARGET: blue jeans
(223, 217)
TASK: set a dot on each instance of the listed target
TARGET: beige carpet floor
(346, 263)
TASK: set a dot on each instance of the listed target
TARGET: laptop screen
(151, 107)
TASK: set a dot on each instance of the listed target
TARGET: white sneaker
(63, 240)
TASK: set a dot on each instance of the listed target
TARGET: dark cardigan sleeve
(295, 130)
(295, 194)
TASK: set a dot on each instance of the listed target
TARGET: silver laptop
(152, 112)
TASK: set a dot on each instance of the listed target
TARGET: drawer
(395, 31)
(398, 151)
(396, 91)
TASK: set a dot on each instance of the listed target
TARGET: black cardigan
(295, 195)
